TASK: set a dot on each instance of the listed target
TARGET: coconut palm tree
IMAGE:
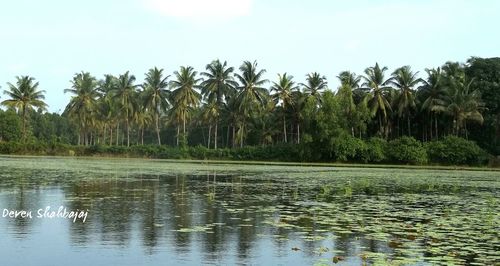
(156, 96)
(24, 96)
(251, 94)
(218, 85)
(83, 104)
(464, 105)
(433, 95)
(209, 114)
(405, 80)
(314, 85)
(377, 103)
(283, 90)
(184, 96)
(124, 94)
(349, 82)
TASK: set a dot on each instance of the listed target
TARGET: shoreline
(268, 163)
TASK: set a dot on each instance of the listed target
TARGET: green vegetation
(449, 117)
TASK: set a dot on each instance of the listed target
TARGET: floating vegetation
(297, 215)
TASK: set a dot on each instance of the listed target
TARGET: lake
(154, 212)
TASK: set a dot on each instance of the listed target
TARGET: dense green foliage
(378, 117)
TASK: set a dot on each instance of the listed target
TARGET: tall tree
(405, 80)
(83, 104)
(251, 94)
(156, 95)
(464, 105)
(348, 83)
(433, 95)
(24, 96)
(218, 85)
(184, 96)
(315, 83)
(283, 90)
(125, 93)
(377, 84)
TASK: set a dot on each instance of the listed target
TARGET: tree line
(224, 107)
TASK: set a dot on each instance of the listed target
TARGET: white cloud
(201, 9)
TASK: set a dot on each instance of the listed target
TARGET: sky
(52, 40)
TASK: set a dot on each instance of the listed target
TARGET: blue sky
(53, 39)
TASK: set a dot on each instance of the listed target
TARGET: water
(153, 212)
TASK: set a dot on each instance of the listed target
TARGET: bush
(348, 148)
(456, 151)
(375, 151)
(406, 150)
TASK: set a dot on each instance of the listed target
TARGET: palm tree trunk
(209, 134)
(117, 133)
(233, 137)
(178, 132)
(215, 133)
(284, 129)
(241, 136)
(436, 125)
(110, 135)
(142, 136)
(298, 133)
(128, 133)
(157, 122)
(24, 124)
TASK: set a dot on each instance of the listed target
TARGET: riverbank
(268, 163)
(401, 152)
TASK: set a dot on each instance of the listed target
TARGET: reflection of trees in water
(26, 197)
(160, 205)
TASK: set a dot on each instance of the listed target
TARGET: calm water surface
(146, 212)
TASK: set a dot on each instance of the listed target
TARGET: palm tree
(210, 113)
(107, 106)
(24, 96)
(283, 93)
(434, 94)
(315, 84)
(156, 96)
(251, 94)
(376, 100)
(142, 118)
(405, 80)
(348, 83)
(464, 105)
(83, 103)
(124, 94)
(299, 101)
(219, 84)
(185, 97)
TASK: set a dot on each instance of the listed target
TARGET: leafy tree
(184, 96)
(124, 94)
(377, 102)
(434, 97)
(10, 126)
(155, 96)
(82, 106)
(348, 82)
(24, 96)
(405, 80)
(218, 86)
(251, 94)
(315, 83)
(283, 90)
(486, 75)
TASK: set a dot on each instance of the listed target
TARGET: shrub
(375, 151)
(347, 148)
(406, 150)
(456, 151)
